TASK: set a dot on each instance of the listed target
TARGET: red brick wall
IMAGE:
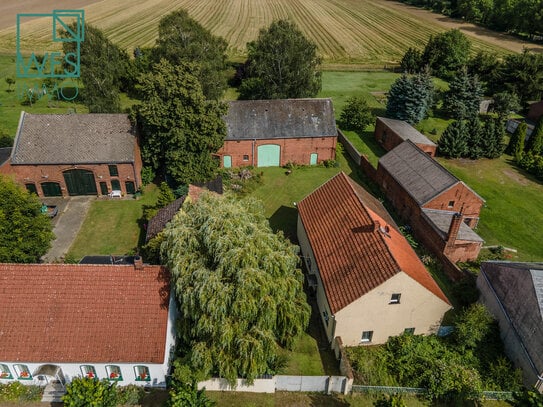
(409, 210)
(392, 139)
(296, 150)
(464, 199)
(25, 174)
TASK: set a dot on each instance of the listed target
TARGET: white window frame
(367, 336)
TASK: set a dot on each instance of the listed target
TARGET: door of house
(313, 159)
(269, 155)
(227, 161)
(51, 189)
(115, 185)
(103, 188)
(130, 188)
(80, 182)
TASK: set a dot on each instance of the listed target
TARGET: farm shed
(513, 293)
(264, 133)
(369, 282)
(418, 186)
(391, 133)
(61, 321)
(75, 154)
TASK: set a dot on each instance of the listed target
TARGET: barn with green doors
(75, 154)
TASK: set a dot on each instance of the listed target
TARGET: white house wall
(311, 264)
(157, 372)
(418, 308)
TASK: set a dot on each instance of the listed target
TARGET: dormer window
(395, 299)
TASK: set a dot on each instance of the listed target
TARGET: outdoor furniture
(115, 194)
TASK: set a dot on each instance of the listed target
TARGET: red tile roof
(83, 313)
(354, 253)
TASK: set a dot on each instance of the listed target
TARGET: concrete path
(68, 223)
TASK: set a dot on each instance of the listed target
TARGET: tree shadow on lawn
(285, 219)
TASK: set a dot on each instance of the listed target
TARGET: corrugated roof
(441, 221)
(74, 139)
(405, 131)
(420, 175)
(163, 217)
(83, 313)
(353, 256)
(519, 288)
(280, 118)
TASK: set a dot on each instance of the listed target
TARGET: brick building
(535, 111)
(431, 199)
(391, 133)
(75, 154)
(265, 133)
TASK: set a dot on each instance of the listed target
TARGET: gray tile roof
(5, 152)
(519, 288)
(282, 118)
(74, 139)
(441, 221)
(420, 175)
(406, 132)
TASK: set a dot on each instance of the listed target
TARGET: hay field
(362, 32)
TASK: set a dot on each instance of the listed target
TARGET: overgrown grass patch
(112, 226)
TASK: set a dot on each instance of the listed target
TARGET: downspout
(253, 152)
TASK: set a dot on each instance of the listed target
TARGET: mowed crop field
(361, 32)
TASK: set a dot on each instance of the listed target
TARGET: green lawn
(513, 213)
(112, 226)
(10, 105)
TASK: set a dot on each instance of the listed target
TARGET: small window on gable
(409, 331)
(113, 171)
(5, 372)
(325, 317)
(366, 336)
(114, 373)
(88, 371)
(395, 299)
(245, 157)
(22, 372)
(142, 373)
(451, 204)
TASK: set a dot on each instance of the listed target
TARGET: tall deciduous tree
(180, 129)
(183, 39)
(103, 66)
(356, 114)
(522, 74)
(237, 285)
(446, 53)
(464, 96)
(410, 98)
(282, 63)
(411, 61)
(25, 233)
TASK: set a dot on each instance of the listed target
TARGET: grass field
(367, 32)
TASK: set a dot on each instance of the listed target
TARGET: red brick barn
(391, 133)
(264, 133)
(427, 195)
(75, 154)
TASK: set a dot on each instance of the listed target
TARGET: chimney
(376, 225)
(138, 262)
(454, 228)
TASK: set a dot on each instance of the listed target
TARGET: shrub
(356, 115)
(129, 395)
(85, 392)
(16, 391)
(147, 175)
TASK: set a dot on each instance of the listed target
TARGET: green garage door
(51, 189)
(80, 182)
(269, 155)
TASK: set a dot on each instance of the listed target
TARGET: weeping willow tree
(238, 287)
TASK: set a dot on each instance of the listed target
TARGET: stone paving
(71, 214)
